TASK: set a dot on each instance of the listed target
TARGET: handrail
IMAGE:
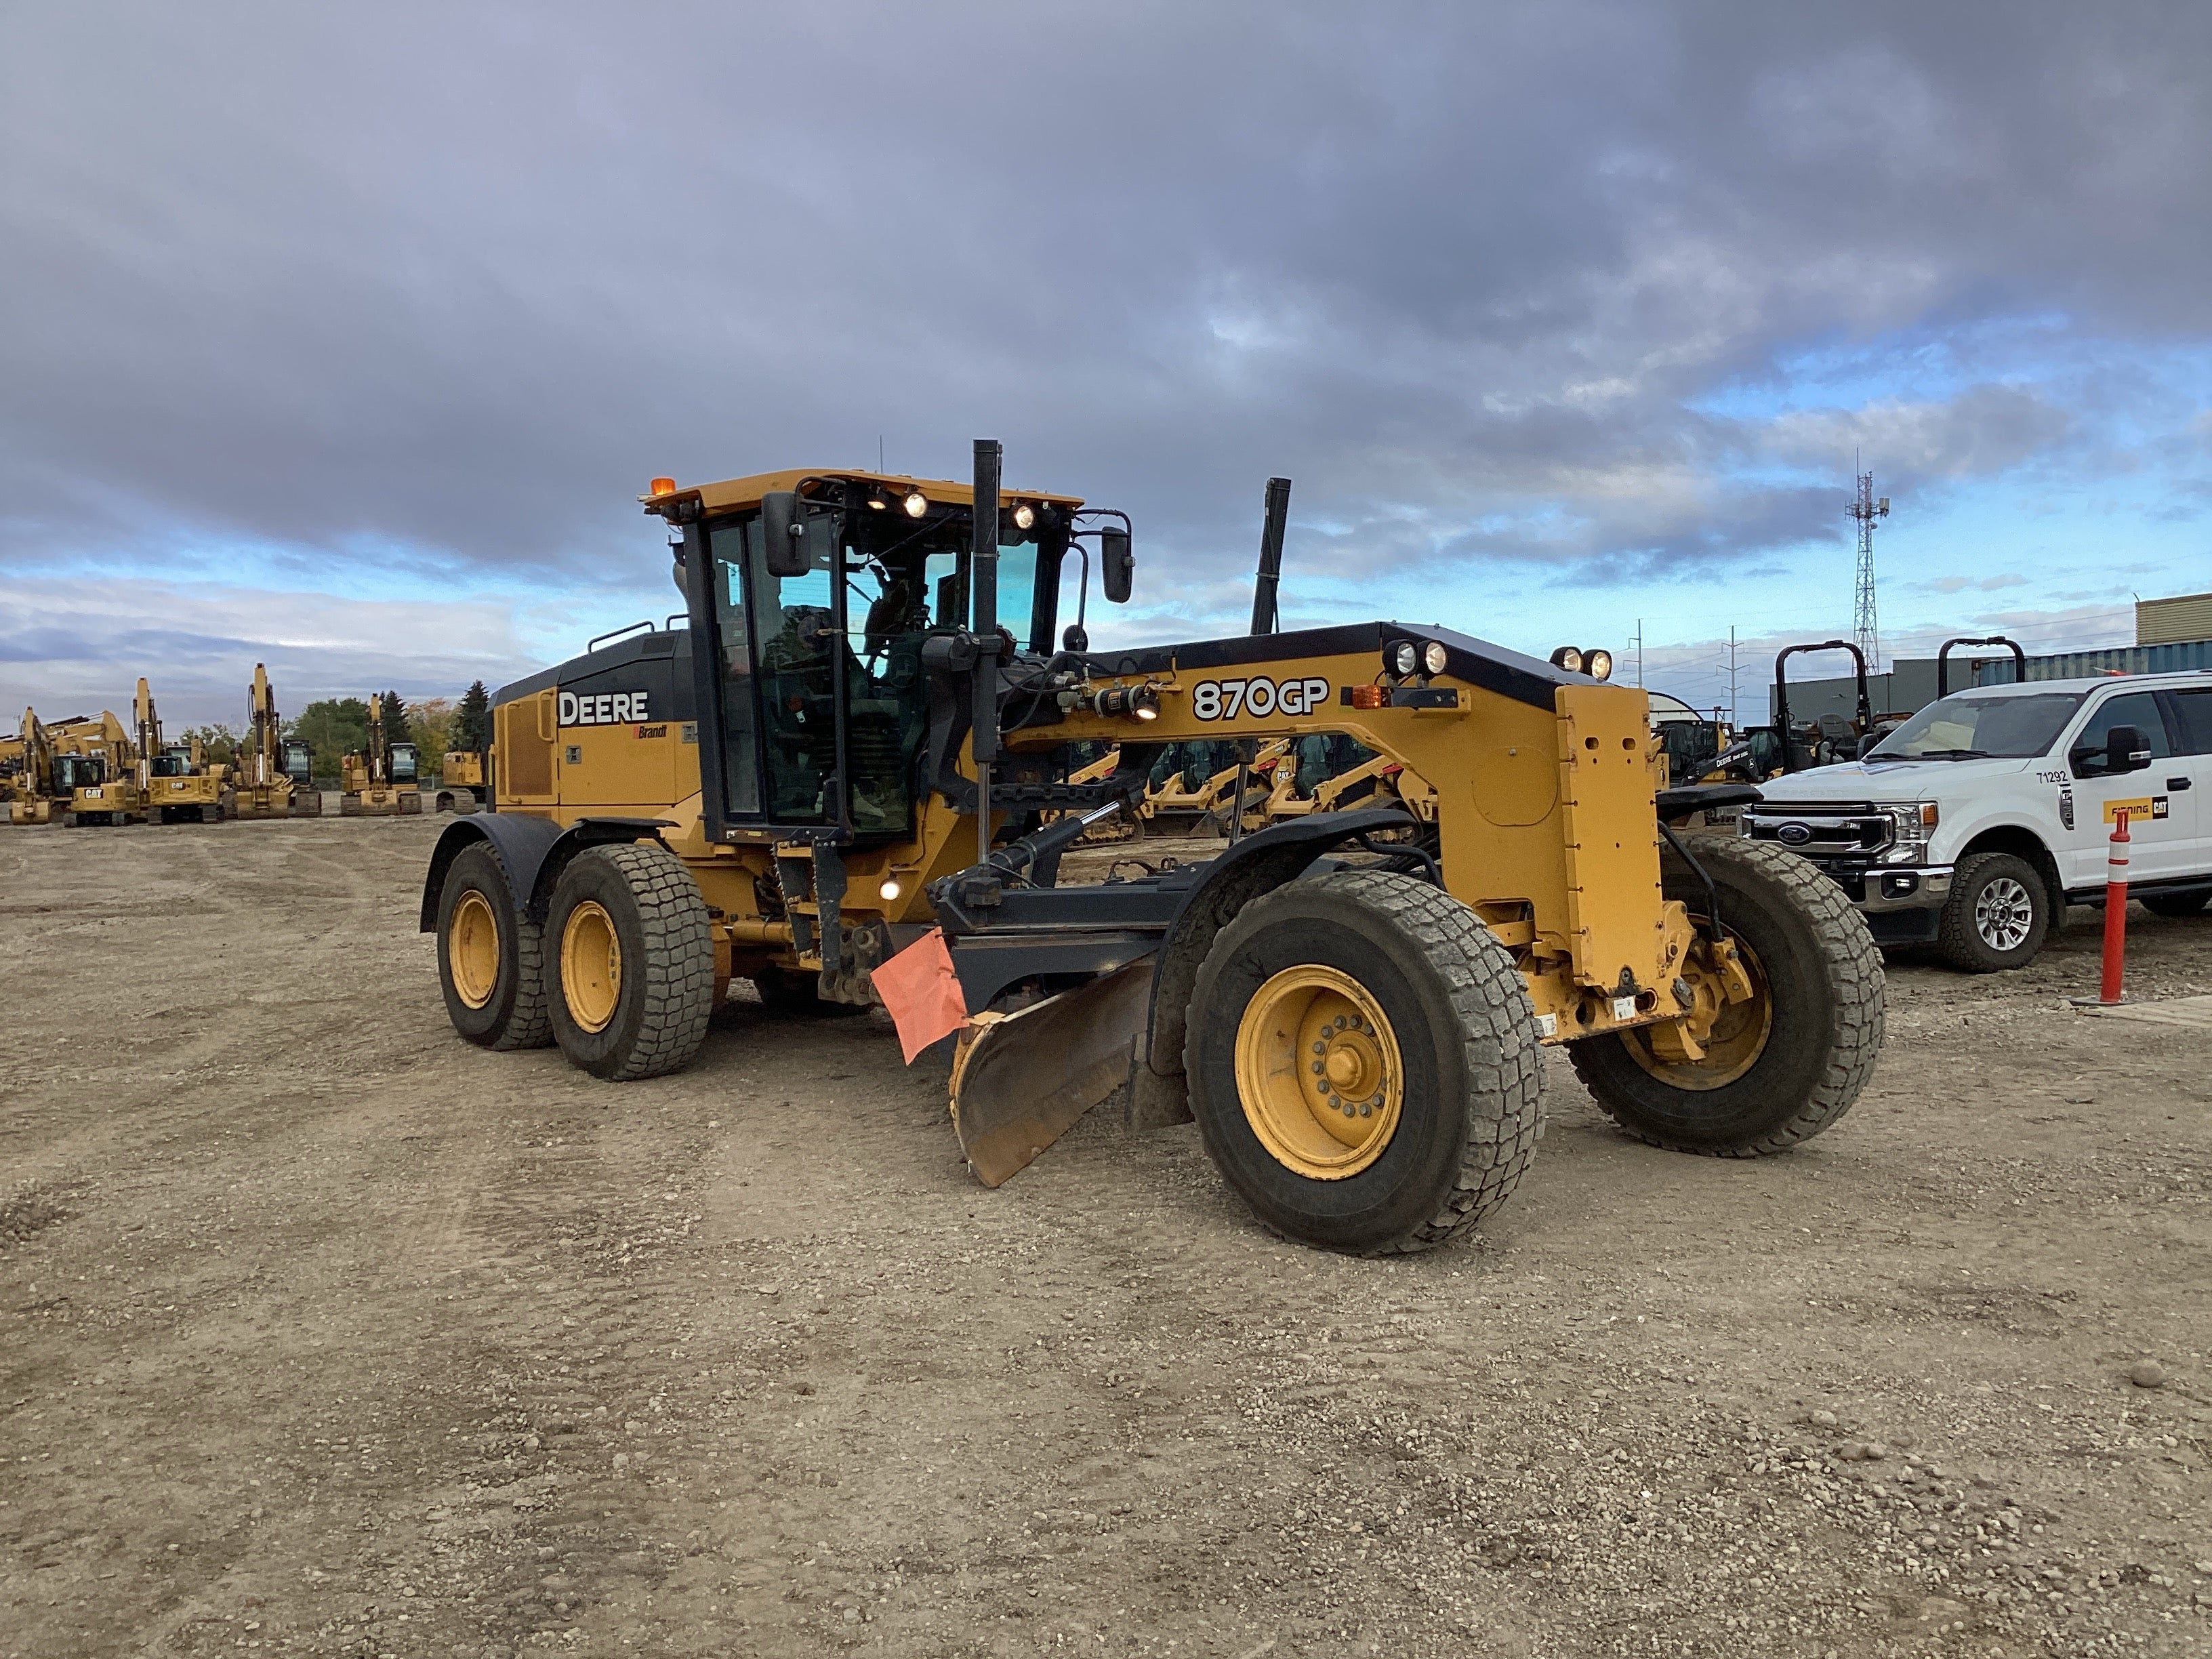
(647, 625)
(1943, 661)
(1782, 693)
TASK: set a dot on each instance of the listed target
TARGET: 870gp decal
(1225, 699)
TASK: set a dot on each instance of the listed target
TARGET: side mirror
(2126, 750)
(783, 534)
(1074, 637)
(1117, 565)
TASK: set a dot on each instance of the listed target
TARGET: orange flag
(922, 993)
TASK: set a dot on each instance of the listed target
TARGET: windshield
(1970, 727)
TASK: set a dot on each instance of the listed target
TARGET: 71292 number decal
(1225, 700)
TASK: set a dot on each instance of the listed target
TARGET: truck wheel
(1364, 1063)
(2177, 905)
(1997, 915)
(491, 960)
(1780, 1067)
(630, 967)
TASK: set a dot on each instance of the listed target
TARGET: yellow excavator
(96, 762)
(271, 775)
(379, 780)
(30, 778)
(177, 782)
(835, 781)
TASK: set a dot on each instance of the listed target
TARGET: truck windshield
(1969, 727)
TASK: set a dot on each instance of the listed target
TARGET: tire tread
(1497, 1026)
(1853, 971)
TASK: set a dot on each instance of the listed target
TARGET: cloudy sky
(344, 338)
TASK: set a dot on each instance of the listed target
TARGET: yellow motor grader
(273, 777)
(380, 779)
(836, 782)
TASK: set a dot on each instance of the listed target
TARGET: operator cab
(74, 772)
(815, 703)
(171, 763)
(299, 761)
(404, 763)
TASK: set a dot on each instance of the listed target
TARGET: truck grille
(1821, 828)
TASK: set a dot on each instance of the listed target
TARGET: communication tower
(1866, 508)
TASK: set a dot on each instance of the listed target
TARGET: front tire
(1998, 917)
(630, 974)
(1785, 1065)
(490, 956)
(1427, 1106)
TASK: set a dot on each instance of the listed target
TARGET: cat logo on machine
(1225, 699)
(605, 708)
(2151, 807)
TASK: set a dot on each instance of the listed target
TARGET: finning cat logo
(2066, 808)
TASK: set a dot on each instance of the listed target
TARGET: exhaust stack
(1267, 617)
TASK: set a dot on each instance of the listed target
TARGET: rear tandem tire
(494, 998)
(1816, 969)
(629, 968)
(1414, 1000)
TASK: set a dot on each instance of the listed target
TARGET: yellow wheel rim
(1739, 1033)
(590, 965)
(473, 948)
(1319, 1072)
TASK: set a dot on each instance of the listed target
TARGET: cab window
(2194, 709)
(2138, 709)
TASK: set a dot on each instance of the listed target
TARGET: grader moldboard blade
(1021, 1082)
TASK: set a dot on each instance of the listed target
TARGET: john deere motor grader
(836, 777)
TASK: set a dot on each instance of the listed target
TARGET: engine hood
(1897, 781)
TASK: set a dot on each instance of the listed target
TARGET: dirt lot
(325, 1333)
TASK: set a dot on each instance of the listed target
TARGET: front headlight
(1910, 827)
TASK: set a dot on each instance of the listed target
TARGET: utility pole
(1865, 509)
(1639, 651)
(1732, 717)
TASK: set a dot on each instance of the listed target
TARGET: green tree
(395, 719)
(218, 743)
(471, 727)
(332, 727)
(429, 727)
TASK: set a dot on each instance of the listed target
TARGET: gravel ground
(327, 1333)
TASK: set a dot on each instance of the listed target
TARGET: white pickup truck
(1972, 825)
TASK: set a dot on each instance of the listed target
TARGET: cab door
(2189, 775)
(527, 728)
(2160, 819)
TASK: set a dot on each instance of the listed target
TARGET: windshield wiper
(1937, 754)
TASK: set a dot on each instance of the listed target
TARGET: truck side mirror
(2126, 750)
(1117, 565)
(783, 534)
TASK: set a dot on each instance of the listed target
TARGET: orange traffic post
(2116, 916)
